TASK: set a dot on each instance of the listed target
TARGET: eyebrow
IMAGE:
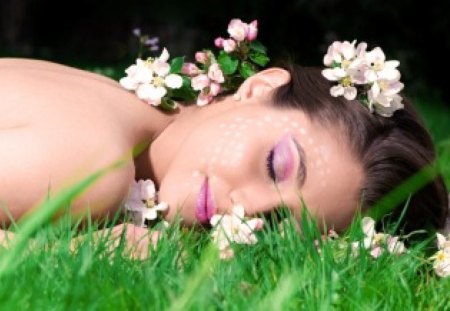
(301, 172)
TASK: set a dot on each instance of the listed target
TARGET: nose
(228, 199)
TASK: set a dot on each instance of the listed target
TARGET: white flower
(379, 68)
(234, 228)
(351, 67)
(378, 242)
(136, 74)
(215, 73)
(349, 92)
(141, 201)
(208, 84)
(152, 212)
(139, 194)
(441, 263)
(346, 83)
(151, 78)
(383, 97)
(229, 45)
(204, 99)
(442, 242)
(173, 81)
(237, 29)
(200, 82)
(347, 68)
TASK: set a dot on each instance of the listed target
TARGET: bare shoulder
(35, 64)
(50, 159)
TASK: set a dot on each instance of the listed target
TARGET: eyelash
(269, 164)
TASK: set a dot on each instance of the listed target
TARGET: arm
(137, 239)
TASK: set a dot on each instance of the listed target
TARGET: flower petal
(440, 240)
(150, 213)
(368, 225)
(128, 83)
(164, 57)
(350, 92)
(161, 68)
(337, 90)
(173, 81)
(147, 189)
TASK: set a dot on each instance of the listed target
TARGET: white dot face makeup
(230, 148)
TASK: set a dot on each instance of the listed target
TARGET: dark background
(87, 33)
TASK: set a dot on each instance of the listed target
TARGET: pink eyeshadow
(283, 158)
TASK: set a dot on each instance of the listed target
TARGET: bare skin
(58, 124)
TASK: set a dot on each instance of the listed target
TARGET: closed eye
(269, 164)
(280, 160)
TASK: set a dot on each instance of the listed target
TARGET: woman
(281, 138)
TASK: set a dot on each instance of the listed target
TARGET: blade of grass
(43, 214)
(403, 191)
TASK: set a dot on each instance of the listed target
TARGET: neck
(156, 122)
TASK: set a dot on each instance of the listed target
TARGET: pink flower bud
(237, 29)
(218, 42)
(229, 45)
(204, 99)
(190, 69)
(252, 30)
(215, 73)
(200, 82)
(201, 57)
(214, 89)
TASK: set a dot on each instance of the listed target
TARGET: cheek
(228, 147)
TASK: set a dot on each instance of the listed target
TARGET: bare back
(57, 125)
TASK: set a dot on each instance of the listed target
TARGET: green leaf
(258, 47)
(259, 58)
(167, 104)
(176, 64)
(246, 70)
(227, 63)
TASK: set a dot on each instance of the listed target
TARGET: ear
(261, 84)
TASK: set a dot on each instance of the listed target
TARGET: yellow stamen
(378, 238)
(150, 203)
(158, 81)
(383, 85)
(378, 66)
(440, 256)
(347, 81)
(346, 63)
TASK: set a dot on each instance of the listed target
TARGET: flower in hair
(365, 75)
(213, 73)
(234, 228)
(151, 79)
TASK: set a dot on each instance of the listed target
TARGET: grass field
(183, 272)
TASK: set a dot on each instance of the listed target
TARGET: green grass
(184, 272)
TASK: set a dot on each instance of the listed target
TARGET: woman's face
(259, 156)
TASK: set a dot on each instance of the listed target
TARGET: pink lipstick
(205, 208)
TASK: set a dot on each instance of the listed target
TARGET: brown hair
(390, 149)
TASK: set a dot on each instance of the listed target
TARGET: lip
(205, 206)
